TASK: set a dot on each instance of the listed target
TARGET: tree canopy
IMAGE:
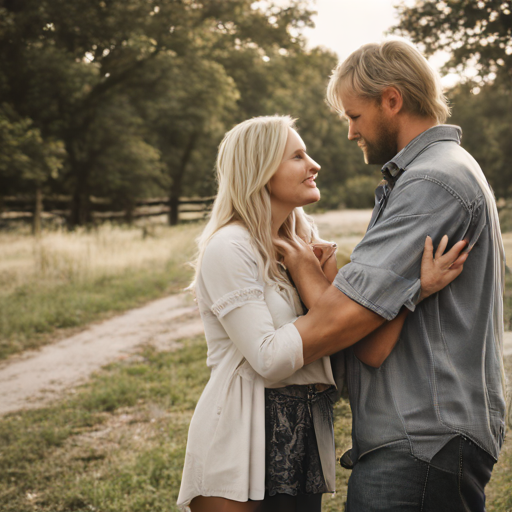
(477, 36)
(129, 99)
(132, 97)
(476, 33)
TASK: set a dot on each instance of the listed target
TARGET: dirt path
(36, 377)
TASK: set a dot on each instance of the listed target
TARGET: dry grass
(66, 280)
(83, 255)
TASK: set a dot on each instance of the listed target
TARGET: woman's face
(293, 184)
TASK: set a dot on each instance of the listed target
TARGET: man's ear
(391, 100)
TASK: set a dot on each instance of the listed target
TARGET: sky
(345, 25)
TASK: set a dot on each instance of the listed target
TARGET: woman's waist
(301, 390)
(317, 373)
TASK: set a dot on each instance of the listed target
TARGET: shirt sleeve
(231, 279)
(384, 272)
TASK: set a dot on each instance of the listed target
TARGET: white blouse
(252, 344)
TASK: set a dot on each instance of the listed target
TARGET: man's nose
(352, 134)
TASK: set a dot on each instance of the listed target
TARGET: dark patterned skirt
(291, 453)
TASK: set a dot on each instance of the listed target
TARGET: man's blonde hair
(249, 155)
(393, 63)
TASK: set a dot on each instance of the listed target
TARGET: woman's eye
(298, 156)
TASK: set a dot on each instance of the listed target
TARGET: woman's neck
(280, 213)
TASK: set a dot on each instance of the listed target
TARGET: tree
(474, 32)
(189, 106)
(65, 62)
(486, 123)
(27, 161)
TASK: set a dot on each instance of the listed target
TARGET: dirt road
(36, 377)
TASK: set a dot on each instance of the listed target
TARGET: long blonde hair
(249, 155)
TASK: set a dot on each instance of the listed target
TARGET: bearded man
(428, 424)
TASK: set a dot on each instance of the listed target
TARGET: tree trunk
(128, 212)
(38, 209)
(81, 213)
(80, 208)
(174, 203)
(177, 179)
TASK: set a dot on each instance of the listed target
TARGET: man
(428, 424)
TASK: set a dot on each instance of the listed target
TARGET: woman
(261, 435)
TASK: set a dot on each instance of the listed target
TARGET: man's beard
(385, 146)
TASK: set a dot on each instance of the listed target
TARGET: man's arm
(335, 322)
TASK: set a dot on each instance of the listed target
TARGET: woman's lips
(310, 181)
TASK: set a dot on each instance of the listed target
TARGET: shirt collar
(393, 169)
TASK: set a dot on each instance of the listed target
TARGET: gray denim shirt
(443, 377)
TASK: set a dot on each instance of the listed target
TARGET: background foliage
(126, 99)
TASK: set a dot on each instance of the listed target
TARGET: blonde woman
(261, 438)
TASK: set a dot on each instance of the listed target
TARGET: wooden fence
(23, 208)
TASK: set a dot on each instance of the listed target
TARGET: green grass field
(117, 443)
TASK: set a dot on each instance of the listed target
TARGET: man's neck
(411, 127)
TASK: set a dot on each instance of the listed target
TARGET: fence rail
(22, 208)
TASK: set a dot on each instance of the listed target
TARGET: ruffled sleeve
(235, 288)
(236, 299)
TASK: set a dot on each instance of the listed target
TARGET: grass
(68, 280)
(117, 443)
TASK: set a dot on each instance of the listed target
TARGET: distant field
(65, 280)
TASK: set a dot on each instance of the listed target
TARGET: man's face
(368, 123)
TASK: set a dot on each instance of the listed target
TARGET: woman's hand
(312, 283)
(324, 250)
(294, 251)
(326, 254)
(440, 270)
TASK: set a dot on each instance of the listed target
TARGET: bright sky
(345, 25)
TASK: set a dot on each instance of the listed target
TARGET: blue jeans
(391, 479)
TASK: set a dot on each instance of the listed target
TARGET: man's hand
(440, 270)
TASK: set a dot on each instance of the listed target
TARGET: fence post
(38, 208)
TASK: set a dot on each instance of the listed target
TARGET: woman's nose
(314, 165)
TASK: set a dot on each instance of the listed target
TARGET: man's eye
(353, 118)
